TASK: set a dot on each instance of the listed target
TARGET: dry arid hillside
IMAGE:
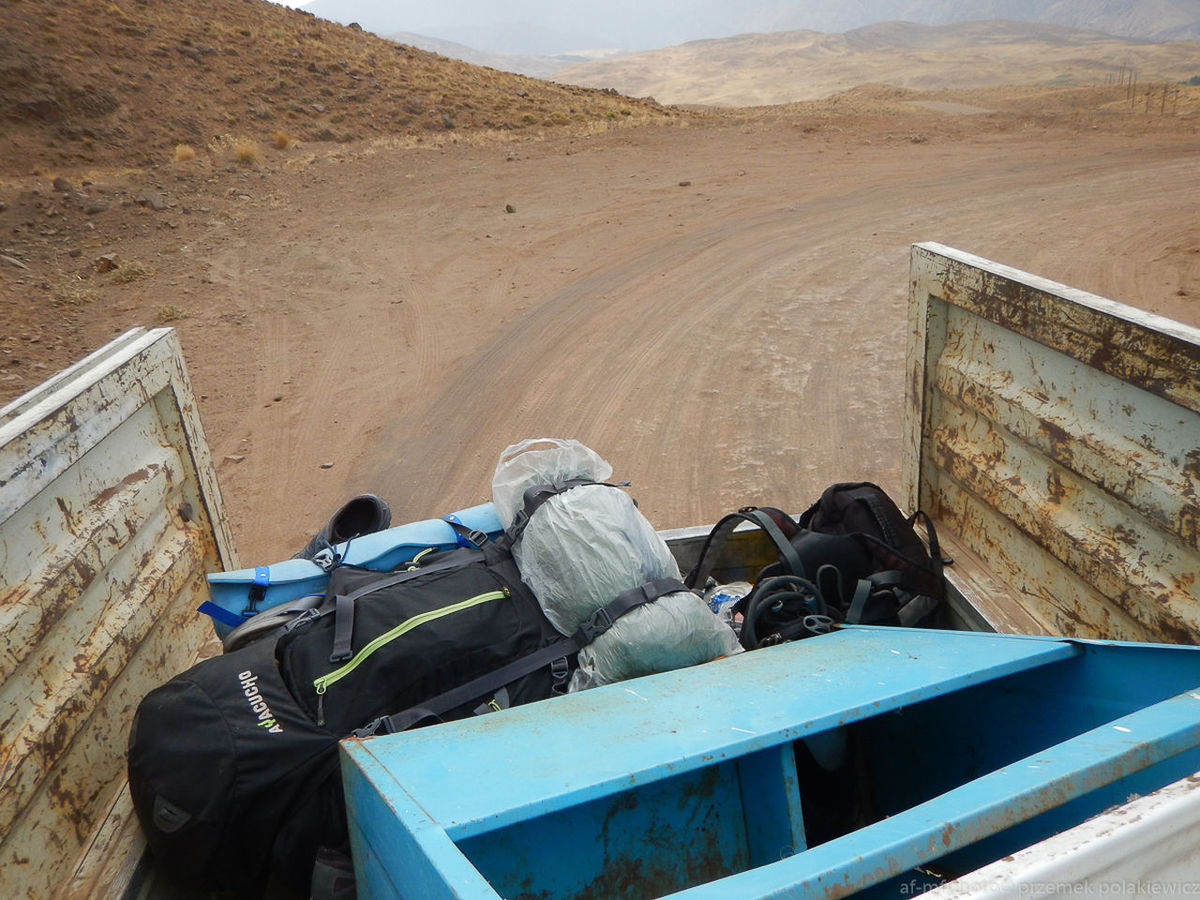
(762, 69)
(123, 83)
(142, 120)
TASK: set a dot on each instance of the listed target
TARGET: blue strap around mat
(220, 614)
(459, 538)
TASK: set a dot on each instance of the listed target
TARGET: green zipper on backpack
(322, 684)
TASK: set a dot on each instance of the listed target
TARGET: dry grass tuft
(172, 312)
(245, 151)
(184, 153)
(130, 271)
(282, 140)
(72, 290)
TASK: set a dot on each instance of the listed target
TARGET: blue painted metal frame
(976, 810)
(685, 784)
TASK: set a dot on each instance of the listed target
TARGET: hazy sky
(549, 27)
(557, 26)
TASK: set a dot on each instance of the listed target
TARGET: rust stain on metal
(1060, 440)
(1055, 488)
(84, 572)
(947, 835)
(135, 477)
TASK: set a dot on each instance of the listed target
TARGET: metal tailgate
(110, 516)
(1054, 435)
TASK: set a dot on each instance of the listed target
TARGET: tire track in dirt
(808, 389)
(738, 340)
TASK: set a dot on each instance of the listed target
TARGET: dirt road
(718, 310)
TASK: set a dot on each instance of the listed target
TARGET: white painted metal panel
(110, 517)
(1055, 435)
(1147, 847)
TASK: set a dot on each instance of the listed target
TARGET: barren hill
(763, 69)
(124, 83)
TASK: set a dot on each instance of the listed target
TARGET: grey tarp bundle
(585, 546)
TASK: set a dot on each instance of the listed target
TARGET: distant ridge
(546, 28)
(520, 63)
(766, 69)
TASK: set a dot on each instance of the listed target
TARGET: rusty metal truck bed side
(1055, 435)
(109, 516)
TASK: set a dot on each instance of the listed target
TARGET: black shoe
(364, 514)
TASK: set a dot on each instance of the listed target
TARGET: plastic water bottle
(722, 598)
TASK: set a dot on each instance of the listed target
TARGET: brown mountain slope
(123, 83)
(764, 69)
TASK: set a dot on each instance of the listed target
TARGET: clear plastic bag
(541, 461)
(585, 546)
(675, 631)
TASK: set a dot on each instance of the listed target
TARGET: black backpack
(851, 557)
(233, 764)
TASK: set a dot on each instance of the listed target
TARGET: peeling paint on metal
(1059, 443)
(114, 503)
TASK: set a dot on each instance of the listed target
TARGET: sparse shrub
(558, 118)
(184, 153)
(245, 151)
(72, 289)
(529, 119)
(172, 312)
(130, 271)
(262, 111)
(282, 140)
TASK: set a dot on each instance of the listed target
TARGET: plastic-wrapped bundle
(586, 545)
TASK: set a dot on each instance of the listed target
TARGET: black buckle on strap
(371, 729)
(594, 626)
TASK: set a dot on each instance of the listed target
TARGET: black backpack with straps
(852, 557)
(233, 764)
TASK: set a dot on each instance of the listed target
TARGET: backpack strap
(935, 548)
(537, 494)
(342, 605)
(720, 534)
(465, 535)
(598, 623)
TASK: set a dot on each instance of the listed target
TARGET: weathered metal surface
(1057, 435)
(109, 518)
(687, 796)
(1147, 847)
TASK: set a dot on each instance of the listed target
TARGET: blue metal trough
(874, 760)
